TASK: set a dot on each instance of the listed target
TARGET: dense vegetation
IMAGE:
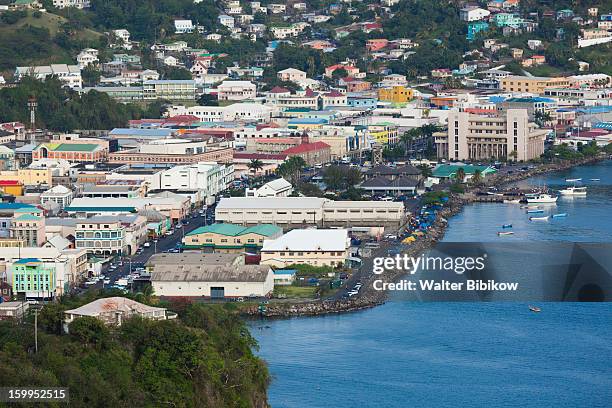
(62, 109)
(204, 359)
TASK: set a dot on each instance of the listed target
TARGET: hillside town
(255, 182)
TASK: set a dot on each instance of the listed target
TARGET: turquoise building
(476, 27)
(33, 279)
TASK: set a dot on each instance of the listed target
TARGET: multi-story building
(70, 75)
(101, 236)
(291, 74)
(534, 85)
(396, 94)
(209, 177)
(28, 227)
(236, 90)
(60, 195)
(80, 4)
(171, 89)
(73, 152)
(478, 137)
(315, 247)
(33, 278)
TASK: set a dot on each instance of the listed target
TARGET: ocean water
(406, 354)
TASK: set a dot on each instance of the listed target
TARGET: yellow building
(28, 177)
(384, 133)
(11, 187)
(396, 94)
(12, 243)
(535, 85)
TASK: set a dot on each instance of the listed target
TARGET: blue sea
(411, 354)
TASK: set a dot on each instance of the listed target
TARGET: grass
(296, 292)
(51, 22)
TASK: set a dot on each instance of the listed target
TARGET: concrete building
(13, 310)
(33, 278)
(230, 237)
(212, 281)
(113, 310)
(295, 212)
(80, 4)
(171, 89)
(291, 74)
(101, 235)
(236, 90)
(175, 207)
(60, 195)
(315, 247)
(70, 75)
(72, 152)
(28, 227)
(534, 85)
(480, 137)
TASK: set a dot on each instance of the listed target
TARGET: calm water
(405, 354)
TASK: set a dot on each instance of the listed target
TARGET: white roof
(278, 184)
(270, 202)
(112, 304)
(57, 190)
(291, 71)
(309, 240)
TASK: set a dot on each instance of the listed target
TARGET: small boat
(541, 198)
(518, 201)
(594, 179)
(559, 215)
(573, 180)
(530, 207)
(502, 233)
(535, 309)
(507, 226)
(538, 218)
(535, 211)
(574, 191)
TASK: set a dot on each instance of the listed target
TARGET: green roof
(76, 147)
(233, 230)
(449, 170)
(263, 229)
(27, 217)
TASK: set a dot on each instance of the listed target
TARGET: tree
(513, 154)
(89, 330)
(208, 100)
(339, 74)
(292, 168)
(460, 175)
(333, 177)
(309, 190)
(255, 165)
(425, 170)
(477, 178)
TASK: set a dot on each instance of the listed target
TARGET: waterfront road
(163, 244)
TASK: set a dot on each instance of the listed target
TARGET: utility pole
(36, 330)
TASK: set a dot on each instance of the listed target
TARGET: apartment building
(169, 89)
(534, 85)
(236, 90)
(478, 137)
(70, 75)
(101, 236)
(29, 228)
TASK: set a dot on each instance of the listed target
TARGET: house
(377, 44)
(122, 37)
(183, 26)
(469, 14)
(60, 195)
(291, 74)
(236, 90)
(88, 56)
(230, 238)
(80, 4)
(13, 310)
(476, 27)
(350, 70)
(333, 99)
(284, 277)
(275, 188)
(225, 20)
(114, 310)
(315, 247)
(396, 94)
(170, 61)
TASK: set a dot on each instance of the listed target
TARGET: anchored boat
(574, 191)
(535, 309)
(559, 215)
(502, 233)
(538, 218)
(507, 226)
(541, 198)
(534, 211)
(573, 180)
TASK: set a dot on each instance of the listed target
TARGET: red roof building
(312, 153)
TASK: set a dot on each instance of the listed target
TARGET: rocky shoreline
(371, 297)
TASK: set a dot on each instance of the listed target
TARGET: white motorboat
(538, 218)
(541, 198)
(573, 180)
(574, 191)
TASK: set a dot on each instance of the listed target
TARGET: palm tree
(255, 165)
(477, 177)
(408, 138)
(460, 175)
(425, 170)
(514, 154)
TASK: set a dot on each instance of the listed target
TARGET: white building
(80, 4)
(315, 247)
(123, 38)
(226, 20)
(292, 212)
(70, 75)
(275, 188)
(183, 26)
(113, 310)
(473, 13)
(210, 178)
(60, 195)
(236, 90)
(88, 56)
(245, 111)
(212, 281)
